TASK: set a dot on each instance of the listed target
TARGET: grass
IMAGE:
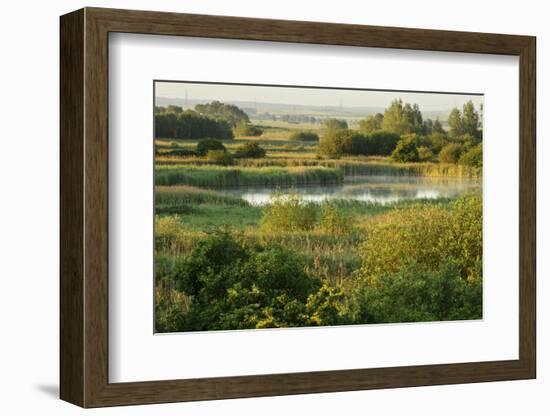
(212, 176)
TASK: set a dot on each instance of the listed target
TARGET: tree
(470, 120)
(438, 128)
(406, 149)
(455, 123)
(343, 142)
(465, 122)
(220, 111)
(174, 109)
(190, 125)
(381, 143)
(371, 124)
(402, 119)
(332, 124)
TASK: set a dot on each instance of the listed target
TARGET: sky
(310, 96)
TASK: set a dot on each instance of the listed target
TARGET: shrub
(306, 136)
(250, 150)
(288, 213)
(424, 154)
(204, 145)
(234, 286)
(415, 293)
(178, 152)
(219, 157)
(343, 142)
(427, 235)
(406, 150)
(473, 157)
(245, 129)
(333, 220)
(437, 142)
(450, 153)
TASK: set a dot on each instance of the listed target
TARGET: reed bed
(213, 176)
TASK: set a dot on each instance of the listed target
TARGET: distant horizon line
(296, 105)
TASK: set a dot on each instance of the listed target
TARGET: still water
(381, 189)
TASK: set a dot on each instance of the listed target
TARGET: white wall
(29, 220)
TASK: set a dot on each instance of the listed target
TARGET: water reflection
(381, 189)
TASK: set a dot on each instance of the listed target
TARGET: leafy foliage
(371, 124)
(466, 122)
(306, 136)
(245, 129)
(425, 235)
(250, 150)
(288, 213)
(473, 157)
(402, 118)
(217, 110)
(416, 293)
(176, 124)
(332, 124)
(235, 286)
(205, 145)
(450, 153)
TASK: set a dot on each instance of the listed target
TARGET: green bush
(288, 213)
(427, 235)
(406, 150)
(334, 220)
(381, 143)
(205, 145)
(416, 293)
(234, 286)
(424, 154)
(245, 129)
(473, 157)
(306, 136)
(219, 157)
(342, 142)
(450, 153)
(250, 150)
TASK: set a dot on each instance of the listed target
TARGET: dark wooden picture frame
(84, 207)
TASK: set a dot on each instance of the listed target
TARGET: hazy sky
(310, 96)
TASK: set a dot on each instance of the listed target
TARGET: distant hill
(258, 107)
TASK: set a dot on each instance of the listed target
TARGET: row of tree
(403, 133)
(213, 120)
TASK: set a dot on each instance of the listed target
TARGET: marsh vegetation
(289, 220)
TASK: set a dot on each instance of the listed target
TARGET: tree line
(214, 120)
(402, 132)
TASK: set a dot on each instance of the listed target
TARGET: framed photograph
(255, 207)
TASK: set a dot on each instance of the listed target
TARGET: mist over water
(378, 189)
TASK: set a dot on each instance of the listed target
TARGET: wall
(29, 220)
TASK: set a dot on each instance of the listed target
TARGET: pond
(379, 188)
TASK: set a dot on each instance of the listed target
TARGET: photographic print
(291, 206)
